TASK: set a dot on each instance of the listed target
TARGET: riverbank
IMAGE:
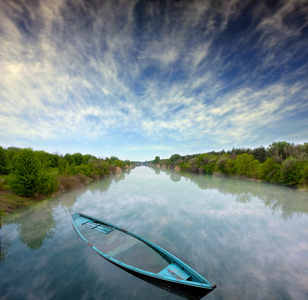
(10, 202)
(300, 188)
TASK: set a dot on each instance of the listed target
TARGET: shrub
(270, 170)
(4, 167)
(100, 166)
(221, 165)
(67, 183)
(185, 166)
(29, 175)
(245, 164)
(305, 175)
(291, 171)
(84, 169)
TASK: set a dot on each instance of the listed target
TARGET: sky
(139, 79)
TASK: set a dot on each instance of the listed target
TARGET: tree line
(281, 162)
(39, 173)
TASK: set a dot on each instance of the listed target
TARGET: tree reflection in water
(278, 199)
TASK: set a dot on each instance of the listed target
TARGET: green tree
(221, 165)
(210, 166)
(29, 175)
(78, 159)
(305, 175)
(291, 170)
(113, 159)
(87, 157)
(270, 170)
(245, 164)
(174, 158)
(4, 167)
(69, 158)
(156, 160)
(259, 154)
(278, 150)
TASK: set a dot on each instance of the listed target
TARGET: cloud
(190, 72)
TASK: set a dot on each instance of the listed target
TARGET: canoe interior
(126, 249)
(117, 244)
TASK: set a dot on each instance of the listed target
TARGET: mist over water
(251, 239)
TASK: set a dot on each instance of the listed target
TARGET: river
(248, 238)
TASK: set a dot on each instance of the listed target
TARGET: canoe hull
(188, 289)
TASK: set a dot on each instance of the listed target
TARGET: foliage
(113, 159)
(222, 165)
(270, 171)
(305, 175)
(4, 167)
(84, 169)
(260, 154)
(291, 171)
(29, 175)
(78, 159)
(156, 160)
(185, 166)
(174, 158)
(281, 162)
(245, 164)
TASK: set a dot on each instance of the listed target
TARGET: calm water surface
(251, 239)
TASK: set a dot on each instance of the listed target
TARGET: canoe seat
(93, 225)
(174, 271)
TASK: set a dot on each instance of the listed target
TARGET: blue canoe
(141, 257)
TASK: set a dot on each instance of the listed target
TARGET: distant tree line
(38, 173)
(281, 162)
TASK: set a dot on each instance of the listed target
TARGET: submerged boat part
(141, 257)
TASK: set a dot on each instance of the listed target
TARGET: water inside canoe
(124, 248)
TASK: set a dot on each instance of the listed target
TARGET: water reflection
(4, 243)
(278, 198)
(36, 223)
(240, 235)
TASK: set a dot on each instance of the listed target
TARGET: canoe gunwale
(203, 284)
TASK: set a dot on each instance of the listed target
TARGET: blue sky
(136, 79)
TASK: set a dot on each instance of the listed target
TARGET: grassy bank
(28, 176)
(283, 163)
(11, 201)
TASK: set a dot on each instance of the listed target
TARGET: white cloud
(63, 76)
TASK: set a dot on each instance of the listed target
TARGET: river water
(251, 239)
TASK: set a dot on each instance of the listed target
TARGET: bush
(67, 183)
(221, 165)
(29, 175)
(100, 166)
(245, 164)
(305, 175)
(185, 166)
(270, 170)
(4, 168)
(84, 169)
(291, 171)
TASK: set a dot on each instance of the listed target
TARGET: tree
(260, 154)
(78, 159)
(29, 175)
(245, 164)
(270, 170)
(174, 157)
(4, 168)
(291, 171)
(156, 160)
(278, 150)
(113, 159)
(69, 158)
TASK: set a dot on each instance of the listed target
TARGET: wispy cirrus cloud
(199, 73)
